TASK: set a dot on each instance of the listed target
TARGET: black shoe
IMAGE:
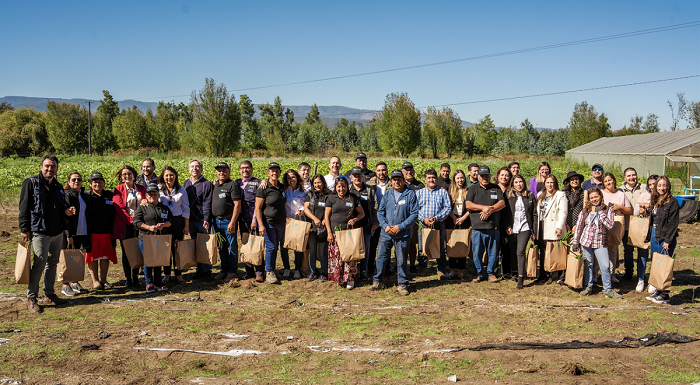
(520, 283)
(413, 270)
(627, 277)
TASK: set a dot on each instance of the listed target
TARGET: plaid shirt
(434, 203)
(592, 234)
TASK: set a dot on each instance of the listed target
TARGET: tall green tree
(216, 122)
(433, 129)
(132, 130)
(485, 135)
(21, 130)
(67, 125)
(694, 115)
(313, 116)
(251, 136)
(679, 113)
(165, 130)
(639, 126)
(102, 134)
(399, 125)
(345, 134)
(369, 136)
(586, 125)
(5, 106)
(525, 141)
(506, 139)
(279, 124)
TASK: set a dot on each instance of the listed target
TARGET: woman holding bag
(151, 219)
(128, 196)
(315, 210)
(342, 211)
(175, 197)
(521, 221)
(458, 219)
(509, 262)
(100, 223)
(77, 236)
(270, 218)
(367, 196)
(621, 205)
(663, 228)
(294, 195)
(592, 238)
(552, 209)
(643, 208)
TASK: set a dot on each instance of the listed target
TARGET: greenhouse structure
(647, 153)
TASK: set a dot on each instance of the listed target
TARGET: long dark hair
(324, 189)
(544, 189)
(161, 180)
(609, 174)
(660, 200)
(67, 185)
(573, 195)
(342, 180)
(587, 205)
(285, 179)
(511, 191)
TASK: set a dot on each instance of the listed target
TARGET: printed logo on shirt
(364, 197)
(494, 196)
(250, 188)
(108, 202)
(348, 204)
(321, 204)
(402, 202)
(164, 215)
(222, 195)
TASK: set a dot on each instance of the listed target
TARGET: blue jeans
(384, 254)
(485, 240)
(228, 249)
(601, 255)
(642, 256)
(422, 258)
(367, 233)
(318, 249)
(274, 234)
(151, 274)
(198, 228)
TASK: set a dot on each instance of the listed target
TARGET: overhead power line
(472, 58)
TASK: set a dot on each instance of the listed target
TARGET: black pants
(521, 240)
(456, 263)
(509, 261)
(244, 228)
(177, 229)
(129, 273)
(372, 257)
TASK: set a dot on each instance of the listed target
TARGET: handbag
(638, 232)
(459, 242)
(296, 234)
(555, 256)
(186, 254)
(531, 270)
(207, 250)
(252, 249)
(616, 232)
(133, 252)
(156, 250)
(23, 264)
(351, 244)
(71, 265)
(430, 238)
(574, 270)
(661, 275)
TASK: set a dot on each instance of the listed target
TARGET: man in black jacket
(42, 220)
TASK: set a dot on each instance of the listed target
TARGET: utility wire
(505, 53)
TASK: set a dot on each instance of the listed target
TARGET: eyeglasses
(597, 169)
(76, 180)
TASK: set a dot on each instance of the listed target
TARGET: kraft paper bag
(207, 249)
(531, 270)
(296, 234)
(156, 250)
(351, 244)
(23, 264)
(618, 229)
(133, 252)
(458, 243)
(638, 232)
(574, 271)
(555, 256)
(661, 275)
(431, 242)
(186, 254)
(71, 265)
(252, 249)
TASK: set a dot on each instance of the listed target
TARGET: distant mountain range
(330, 115)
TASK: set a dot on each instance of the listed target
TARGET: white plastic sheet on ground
(230, 353)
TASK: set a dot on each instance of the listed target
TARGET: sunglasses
(597, 169)
(76, 180)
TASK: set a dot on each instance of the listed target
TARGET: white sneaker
(68, 291)
(78, 288)
(351, 285)
(297, 274)
(640, 286)
(286, 273)
(651, 289)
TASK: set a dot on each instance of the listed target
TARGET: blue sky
(153, 50)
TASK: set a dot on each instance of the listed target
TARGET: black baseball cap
(360, 155)
(152, 187)
(356, 170)
(406, 165)
(273, 165)
(597, 165)
(484, 170)
(222, 164)
(96, 175)
(396, 174)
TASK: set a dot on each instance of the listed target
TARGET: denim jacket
(403, 213)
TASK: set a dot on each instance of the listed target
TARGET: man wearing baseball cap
(225, 208)
(596, 178)
(484, 201)
(396, 215)
(361, 162)
(415, 185)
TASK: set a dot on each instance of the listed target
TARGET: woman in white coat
(552, 209)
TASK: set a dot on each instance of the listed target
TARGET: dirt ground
(312, 332)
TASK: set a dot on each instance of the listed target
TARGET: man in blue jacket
(397, 213)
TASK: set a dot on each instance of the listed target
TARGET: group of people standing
(505, 215)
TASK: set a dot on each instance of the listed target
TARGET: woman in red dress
(100, 222)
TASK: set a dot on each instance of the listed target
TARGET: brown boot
(33, 306)
(52, 299)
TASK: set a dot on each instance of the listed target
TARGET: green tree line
(215, 123)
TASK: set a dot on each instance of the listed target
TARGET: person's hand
(557, 232)
(262, 185)
(459, 221)
(186, 231)
(262, 229)
(69, 241)
(509, 231)
(206, 225)
(143, 202)
(532, 237)
(395, 229)
(254, 225)
(575, 248)
(351, 222)
(231, 227)
(317, 222)
(665, 246)
(70, 211)
(330, 238)
(427, 222)
(388, 230)
(485, 215)
(26, 236)
(374, 227)
(300, 212)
